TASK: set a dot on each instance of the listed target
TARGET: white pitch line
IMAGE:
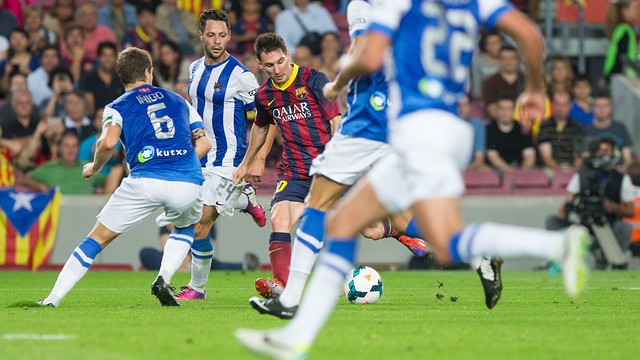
(56, 337)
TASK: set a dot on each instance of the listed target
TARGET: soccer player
(222, 90)
(157, 127)
(292, 99)
(360, 141)
(432, 44)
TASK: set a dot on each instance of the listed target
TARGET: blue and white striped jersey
(433, 42)
(156, 132)
(222, 94)
(367, 97)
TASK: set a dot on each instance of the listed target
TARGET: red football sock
(280, 256)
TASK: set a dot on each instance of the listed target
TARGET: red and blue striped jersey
(302, 114)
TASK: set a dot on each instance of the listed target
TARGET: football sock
(413, 230)
(74, 269)
(389, 230)
(323, 291)
(507, 241)
(242, 202)
(307, 245)
(175, 250)
(280, 255)
(201, 258)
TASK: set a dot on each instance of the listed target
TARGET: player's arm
(531, 45)
(199, 138)
(257, 139)
(256, 167)
(335, 123)
(104, 146)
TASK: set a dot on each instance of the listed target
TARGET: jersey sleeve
(317, 80)
(262, 115)
(490, 12)
(195, 121)
(358, 17)
(386, 15)
(247, 89)
(111, 117)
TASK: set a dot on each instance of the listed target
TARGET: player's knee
(280, 222)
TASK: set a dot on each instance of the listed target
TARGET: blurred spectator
(269, 10)
(560, 137)
(146, 35)
(64, 172)
(249, 24)
(619, 20)
(304, 21)
(88, 146)
(39, 36)
(250, 60)
(38, 80)
(61, 84)
(507, 146)
(94, 34)
(102, 85)
(17, 82)
(486, 62)
(330, 54)
(18, 121)
(76, 118)
(561, 77)
(43, 145)
(507, 83)
(581, 108)
(8, 20)
(118, 16)
(155, 3)
(60, 17)
(170, 69)
(302, 56)
(604, 126)
(76, 58)
(179, 27)
(19, 58)
(478, 161)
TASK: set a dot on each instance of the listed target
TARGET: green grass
(113, 316)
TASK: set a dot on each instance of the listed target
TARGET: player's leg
(183, 209)
(79, 262)
(248, 203)
(284, 215)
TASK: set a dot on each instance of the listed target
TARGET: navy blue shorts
(291, 190)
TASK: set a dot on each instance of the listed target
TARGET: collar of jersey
(143, 35)
(218, 64)
(294, 74)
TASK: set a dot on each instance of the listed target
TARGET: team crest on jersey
(301, 93)
(378, 101)
(217, 87)
(146, 154)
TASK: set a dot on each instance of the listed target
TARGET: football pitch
(421, 315)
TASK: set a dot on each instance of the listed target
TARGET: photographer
(598, 194)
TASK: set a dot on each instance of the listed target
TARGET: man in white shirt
(314, 17)
(37, 80)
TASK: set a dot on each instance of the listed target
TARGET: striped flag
(28, 227)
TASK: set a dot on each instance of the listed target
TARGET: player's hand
(256, 169)
(87, 170)
(330, 91)
(239, 173)
(530, 107)
(609, 206)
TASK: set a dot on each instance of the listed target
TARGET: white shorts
(220, 192)
(430, 148)
(136, 198)
(346, 158)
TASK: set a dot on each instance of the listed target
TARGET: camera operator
(598, 194)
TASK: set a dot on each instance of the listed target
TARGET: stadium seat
(532, 182)
(486, 183)
(561, 179)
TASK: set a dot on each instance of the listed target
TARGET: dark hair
(57, 71)
(72, 28)
(144, 6)
(214, 15)
(268, 42)
(165, 70)
(131, 64)
(19, 30)
(609, 141)
(508, 48)
(601, 94)
(580, 77)
(50, 47)
(107, 45)
(633, 170)
(482, 44)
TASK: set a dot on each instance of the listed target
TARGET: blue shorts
(295, 190)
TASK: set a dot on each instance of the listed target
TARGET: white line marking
(38, 337)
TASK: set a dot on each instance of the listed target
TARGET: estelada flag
(28, 226)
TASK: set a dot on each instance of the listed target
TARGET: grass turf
(114, 316)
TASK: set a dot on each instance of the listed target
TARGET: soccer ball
(362, 285)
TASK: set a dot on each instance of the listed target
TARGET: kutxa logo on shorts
(149, 152)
